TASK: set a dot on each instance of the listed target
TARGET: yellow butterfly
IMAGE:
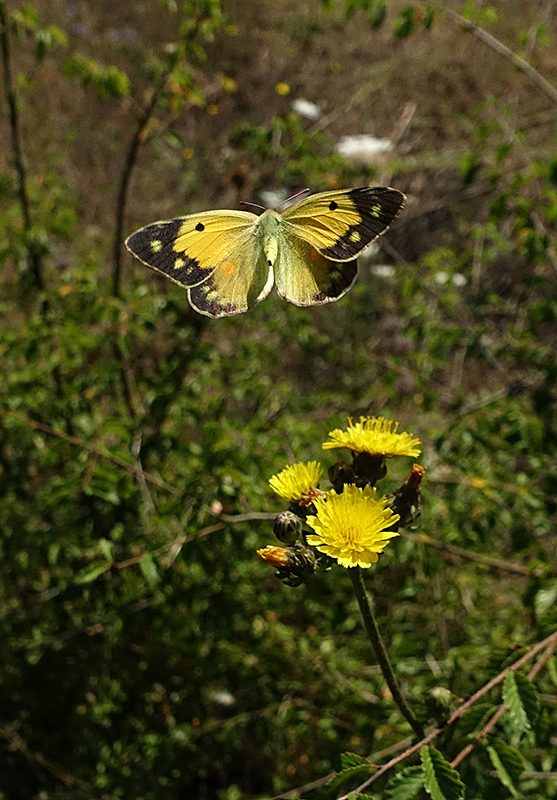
(229, 260)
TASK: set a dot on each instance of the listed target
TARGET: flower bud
(287, 527)
(277, 556)
(439, 702)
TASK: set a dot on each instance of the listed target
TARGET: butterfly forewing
(189, 249)
(341, 224)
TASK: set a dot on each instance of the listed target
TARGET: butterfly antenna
(247, 203)
(293, 197)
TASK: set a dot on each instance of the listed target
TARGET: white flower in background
(305, 108)
(363, 148)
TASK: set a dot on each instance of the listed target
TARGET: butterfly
(229, 260)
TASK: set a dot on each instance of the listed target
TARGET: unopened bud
(277, 556)
(287, 527)
(439, 702)
(406, 499)
(340, 474)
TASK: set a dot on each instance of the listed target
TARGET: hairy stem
(379, 649)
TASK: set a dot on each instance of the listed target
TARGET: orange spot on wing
(313, 254)
(228, 267)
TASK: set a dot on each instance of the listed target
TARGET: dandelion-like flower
(351, 527)
(376, 436)
(298, 481)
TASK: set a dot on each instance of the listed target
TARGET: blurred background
(145, 650)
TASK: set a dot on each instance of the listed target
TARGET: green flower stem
(379, 649)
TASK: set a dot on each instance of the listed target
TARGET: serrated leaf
(442, 782)
(351, 776)
(149, 569)
(507, 762)
(352, 760)
(91, 572)
(406, 784)
(475, 718)
(521, 700)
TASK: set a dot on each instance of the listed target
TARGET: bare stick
(125, 178)
(33, 255)
(132, 469)
(532, 74)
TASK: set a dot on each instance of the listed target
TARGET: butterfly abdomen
(268, 228)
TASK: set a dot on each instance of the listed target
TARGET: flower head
(351, 526)
(298, 481)
(374, 435)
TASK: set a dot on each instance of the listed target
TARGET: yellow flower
(375, 435)
(297, 481)
(282, 89)
(350, 527)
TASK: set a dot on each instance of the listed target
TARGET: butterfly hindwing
(238, 283)
(341, 224)
(304, 277)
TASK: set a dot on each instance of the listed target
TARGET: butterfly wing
(341, 224)
(305, 277)
(217, 255)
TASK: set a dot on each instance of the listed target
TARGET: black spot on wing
(377, 206)
(154, 246)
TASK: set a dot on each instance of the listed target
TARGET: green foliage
(441, 781)
(508, 764)
(107, 81)
(521, 700)
(145, 651)
(406, 784)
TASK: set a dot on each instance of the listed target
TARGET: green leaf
(149, 569)
(352, 760)
(351, 776)
(105, 546)
(405, 23)
(508, 764)
(442, 782)
(545, 599)
(377, 13)
(521, 700)
(91, 572)
(406, 784)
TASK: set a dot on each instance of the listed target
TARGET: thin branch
(532, 74)
(460, 552)
(132, 469)
(549, 642)
(33, 255)
(129, 164)
(488, 727)
(173, 548)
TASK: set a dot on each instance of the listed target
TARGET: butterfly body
(229, 260)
